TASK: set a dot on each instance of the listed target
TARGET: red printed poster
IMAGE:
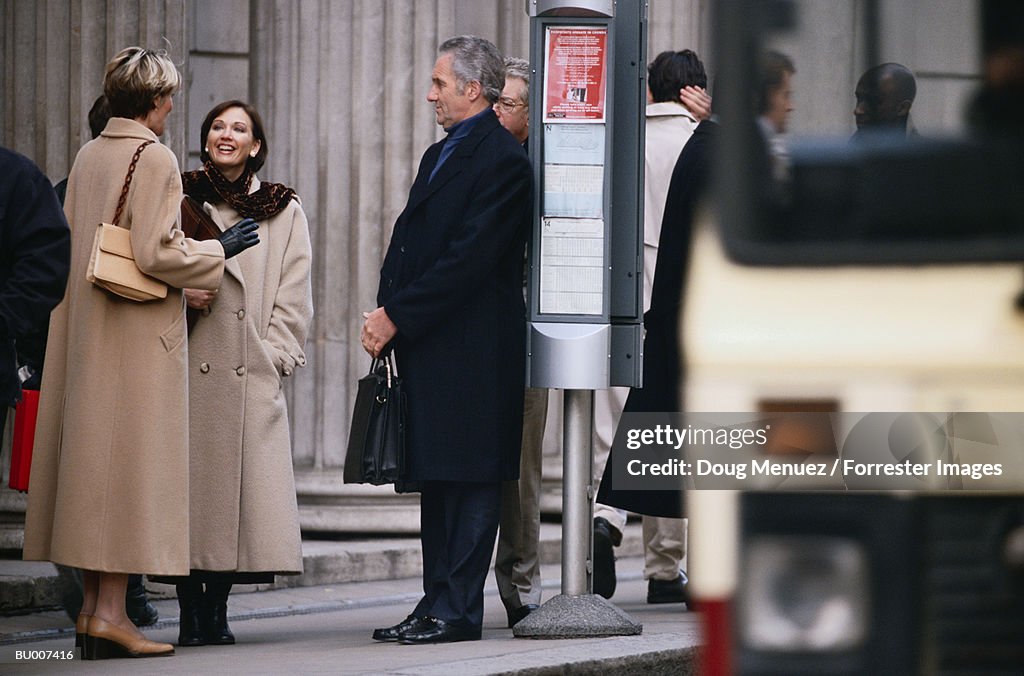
(575, 80)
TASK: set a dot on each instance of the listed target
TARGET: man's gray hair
(477, 59)
(520, 68)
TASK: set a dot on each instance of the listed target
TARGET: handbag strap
(128, 181)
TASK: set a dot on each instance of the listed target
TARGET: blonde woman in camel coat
(109, 483)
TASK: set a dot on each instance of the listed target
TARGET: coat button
(205, 312)
(204, 368)
(240, 314)
(240, 370)
(402, 249)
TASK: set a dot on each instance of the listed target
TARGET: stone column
(679, 24)
(342, 88)
(53, 55)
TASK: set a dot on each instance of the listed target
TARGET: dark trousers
(458, 526)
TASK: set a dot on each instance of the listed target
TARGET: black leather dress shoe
(669, 591)
(392, 633)
(516, 615)
(438, 631)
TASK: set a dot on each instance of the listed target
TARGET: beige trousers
(517, 563)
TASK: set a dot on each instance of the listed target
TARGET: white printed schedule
(572, 266)
(573, 191)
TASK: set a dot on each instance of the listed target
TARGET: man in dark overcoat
(451, 305)
(35, 254)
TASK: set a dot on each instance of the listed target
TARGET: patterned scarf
(209, 185)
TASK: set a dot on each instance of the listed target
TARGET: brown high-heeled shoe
(104, 640)
(81, 626)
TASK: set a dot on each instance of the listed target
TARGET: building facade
(341, 86)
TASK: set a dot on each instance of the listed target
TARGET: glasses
(507, 105)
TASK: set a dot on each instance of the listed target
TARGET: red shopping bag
(24, 436)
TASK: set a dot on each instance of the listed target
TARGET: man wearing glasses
(517, 564)
(513, 107)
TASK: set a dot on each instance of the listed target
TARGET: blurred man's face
(511, 108)
(877, 102)
(780, 104)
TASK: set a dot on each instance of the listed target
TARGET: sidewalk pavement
(326, 629)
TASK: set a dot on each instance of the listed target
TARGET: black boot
(191, 602)
(606, 537)
(140, 611)
(215, 614)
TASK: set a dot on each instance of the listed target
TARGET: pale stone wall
(52, 56)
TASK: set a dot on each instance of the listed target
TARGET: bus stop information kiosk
(585, 263)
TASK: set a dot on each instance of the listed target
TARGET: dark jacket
(452, 283)
(35, 252)
(663, 361)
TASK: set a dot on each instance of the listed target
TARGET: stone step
(27, 586)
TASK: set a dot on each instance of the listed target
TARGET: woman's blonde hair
(135, 78)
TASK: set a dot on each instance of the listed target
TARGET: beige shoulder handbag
(112, 264)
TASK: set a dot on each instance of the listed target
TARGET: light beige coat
(242, 492)
(109, 484)
(669, 125)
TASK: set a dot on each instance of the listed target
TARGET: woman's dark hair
(671, 71)
(254, 163)
(99, 115)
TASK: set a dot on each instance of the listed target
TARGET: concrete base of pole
(586, 616)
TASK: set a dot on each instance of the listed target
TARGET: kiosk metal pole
(577, 612)
(577, 491)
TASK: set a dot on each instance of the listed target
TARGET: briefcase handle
(376, 362)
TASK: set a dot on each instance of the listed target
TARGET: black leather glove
(239, 237)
